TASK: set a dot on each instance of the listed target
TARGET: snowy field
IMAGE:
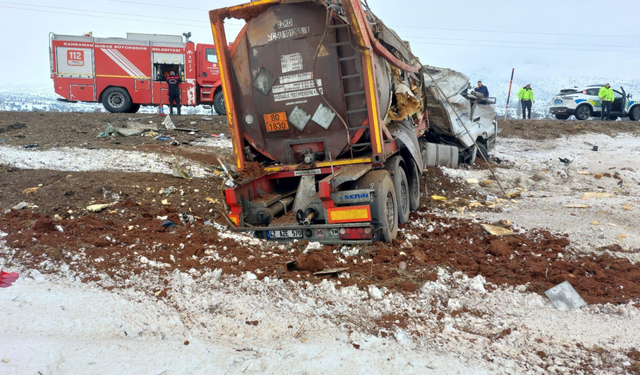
(214, 323)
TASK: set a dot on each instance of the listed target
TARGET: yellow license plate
(276, 122)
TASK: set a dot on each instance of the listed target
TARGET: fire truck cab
(125, 73)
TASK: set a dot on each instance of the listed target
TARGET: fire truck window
(211, 55)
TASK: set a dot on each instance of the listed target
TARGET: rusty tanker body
(332, 104)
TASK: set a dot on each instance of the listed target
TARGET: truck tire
(414, 186)
(482, 151)
(634, 115)
(134, 108)
(395, 167)
(384, 207)
(218, 103)
(583, 112)
(116, 100)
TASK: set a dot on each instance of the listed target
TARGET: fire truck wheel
(116, 100)
(384, 207)
(134, 108)
(414, 186)
(218, 104)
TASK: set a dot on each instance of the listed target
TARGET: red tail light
(359, 233)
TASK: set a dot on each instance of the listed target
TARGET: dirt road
(443, 248)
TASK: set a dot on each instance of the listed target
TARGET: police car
(584, 103)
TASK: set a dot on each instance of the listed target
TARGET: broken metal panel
(323, 116)
(264, 81)
(299, 118)
(404, 133)
(447, 100)
(350, 173)
(564, 297)
(306, 189)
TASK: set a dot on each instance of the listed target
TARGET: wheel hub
(390, 209)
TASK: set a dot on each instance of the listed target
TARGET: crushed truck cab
(327, 110)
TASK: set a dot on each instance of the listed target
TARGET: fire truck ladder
(349, 62)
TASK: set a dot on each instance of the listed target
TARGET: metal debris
(564, 297)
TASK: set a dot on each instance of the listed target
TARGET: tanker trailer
(330, 105)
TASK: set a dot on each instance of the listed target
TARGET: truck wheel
(583, 112)
(634, 115)
(218, 103)
(394, 166)
(384, 207)
(116, 100)
(134, 108)
(414, 186)
(482, 150)
(562, 116)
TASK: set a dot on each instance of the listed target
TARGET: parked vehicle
(336, 110)
(125, 73)
(584, 103)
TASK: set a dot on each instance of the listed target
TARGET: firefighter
(174, 91)
(525, 95)
(606, 97)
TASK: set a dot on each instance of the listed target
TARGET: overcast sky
(484, 38)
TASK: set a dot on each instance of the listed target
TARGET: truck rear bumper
(352, 233)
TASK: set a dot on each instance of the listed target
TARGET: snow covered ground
(215, 323)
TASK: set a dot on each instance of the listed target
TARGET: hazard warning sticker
(275, 122)
(291, 63)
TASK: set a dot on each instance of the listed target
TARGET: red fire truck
(125, 73)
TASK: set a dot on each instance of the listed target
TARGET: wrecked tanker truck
(329, 114)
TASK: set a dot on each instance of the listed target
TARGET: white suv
(584, 103)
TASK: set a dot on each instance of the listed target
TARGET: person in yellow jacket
(606, 98)
(526, 97)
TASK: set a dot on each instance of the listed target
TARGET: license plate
(558, 102)
(291, 233)
(276, 122)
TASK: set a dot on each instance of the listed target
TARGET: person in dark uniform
(482, 89)
(174, 91)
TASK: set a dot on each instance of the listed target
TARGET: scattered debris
(592, 194)
(585, 173)
(179, 172)
(30, 190)
(564, 297)
(167, 191)
(438, 198)
(21, 206)
(98, 207)
(627, 207)
(108, 132)
(33, 145)
(168, 123)
(187, 219)
(168, 224)
(513, 195)
(595, 148)
(495, 230)
(330, 271)
(7, 278)
(565, 161)
(471, 181)
(576, 206)
(597, 176)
